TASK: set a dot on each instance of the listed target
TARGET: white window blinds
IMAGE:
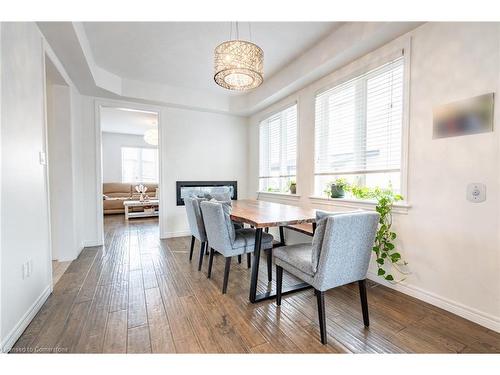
(358, 128)
(278, 151)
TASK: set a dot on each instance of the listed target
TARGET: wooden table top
(263, 214)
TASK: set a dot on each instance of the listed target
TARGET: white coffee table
(151, 202)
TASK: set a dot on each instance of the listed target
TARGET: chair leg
(207, 250)
(269, 265)
(191, 249)
(239, 259)
(279, 284)
(249, 260)
(320, 296)
(210, 262)
(226, 275)
(364, 302)
(202, 251)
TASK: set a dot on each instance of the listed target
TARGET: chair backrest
(223, 196)
(346, 249)
(319, 233)
(218, 225)
(195, 218)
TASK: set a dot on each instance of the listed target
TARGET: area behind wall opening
(59, 169)
(130, 165)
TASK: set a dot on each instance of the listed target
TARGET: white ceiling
(127, 121)
(171, 63)
(181, 53)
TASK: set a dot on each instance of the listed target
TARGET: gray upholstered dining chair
(339, 254)
(196, 226)
(224, 196)
(225, 239)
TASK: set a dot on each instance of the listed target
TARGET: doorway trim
(100, 103)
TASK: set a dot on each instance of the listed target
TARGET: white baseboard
(466, 312)
(91, 243)
(181, 233)
(19, 328)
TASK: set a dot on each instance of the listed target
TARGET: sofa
(115, 193)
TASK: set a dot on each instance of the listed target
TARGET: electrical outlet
(25, 271)
(30, 267)
(476, 192)
(42, 158)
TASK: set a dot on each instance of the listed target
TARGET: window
(139, 164)
(278, 151)
(358, 130)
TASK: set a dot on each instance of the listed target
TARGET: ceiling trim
(345, 44)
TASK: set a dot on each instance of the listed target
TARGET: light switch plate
(476, 192)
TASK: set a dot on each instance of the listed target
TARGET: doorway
(129, 183)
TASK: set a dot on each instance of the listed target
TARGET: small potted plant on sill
(292, 187)
(337, 188)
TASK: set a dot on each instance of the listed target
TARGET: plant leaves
(380, 272)
(389, 278)
(395, 257)
(380, 261)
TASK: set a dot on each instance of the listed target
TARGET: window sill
(398, 208)
(270, 194)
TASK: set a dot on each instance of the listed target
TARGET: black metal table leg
(254, 297)
(255, 265)
(282, 237)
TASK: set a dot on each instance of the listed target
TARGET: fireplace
(205, 188)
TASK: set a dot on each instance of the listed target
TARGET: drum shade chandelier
(239, 64)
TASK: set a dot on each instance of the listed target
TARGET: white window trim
(405, 51)
(264, 117)
(366, 204)
(273, 194)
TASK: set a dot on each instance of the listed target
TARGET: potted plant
(292, 187)
(337, 188)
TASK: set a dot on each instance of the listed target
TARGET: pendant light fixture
(151, 137)
(239, 64)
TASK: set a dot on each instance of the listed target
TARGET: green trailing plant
(384, 246)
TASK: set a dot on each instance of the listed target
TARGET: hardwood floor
(138, 294)
(58, 269)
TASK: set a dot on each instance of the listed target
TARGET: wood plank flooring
(58, 269)
(137, 294)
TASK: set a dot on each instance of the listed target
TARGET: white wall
(24, 200)
(24, 203)
(195, 145)
(112, 153)
(199, 146)
(452, 245)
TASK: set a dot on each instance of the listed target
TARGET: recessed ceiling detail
(181, 53)
(171, 63)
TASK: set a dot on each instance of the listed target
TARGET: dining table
(262, 215)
